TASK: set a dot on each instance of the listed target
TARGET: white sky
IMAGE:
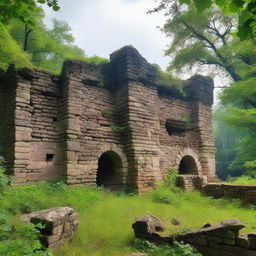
(103, 26)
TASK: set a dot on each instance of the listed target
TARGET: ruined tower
(110, 125)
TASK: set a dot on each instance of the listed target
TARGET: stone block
(56, 222)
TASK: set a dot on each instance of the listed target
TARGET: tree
(207, 39)
(11, 52)
(203, 39)
(43, 47)
(22, 10)
(244, 9)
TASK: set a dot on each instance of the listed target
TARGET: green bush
(177, 249)
(20, 240)
(4, 179)
(243, 180)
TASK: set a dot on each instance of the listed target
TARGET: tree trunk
(27, 32)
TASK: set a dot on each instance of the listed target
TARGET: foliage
(11, 51)
(20, 240)
(22, 10)
(4, 179)
(206, 39)
(102, 213)
(168, 80)
(178, 249)
(35, 44)
(170, 181)
(244, 9)
(240, 113)
(200, 39)
(118, 129)
(243, 180)
(107, 113)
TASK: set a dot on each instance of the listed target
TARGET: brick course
(61, 125)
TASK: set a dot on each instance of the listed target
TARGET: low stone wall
(221, 239)
(246, 193)
(191, 182)
(59, 223)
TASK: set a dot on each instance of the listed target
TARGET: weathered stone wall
(246, 193)
(7, 117)
(191, 182)
(45, 155)
(221, 239)
(65, 124)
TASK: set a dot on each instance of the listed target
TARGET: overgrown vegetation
(243, 180)
(178, 249)
(32, 44)
(106, 217)
(204, 40)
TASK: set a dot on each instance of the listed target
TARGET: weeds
(106, 217)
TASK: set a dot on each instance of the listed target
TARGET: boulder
(58, 223)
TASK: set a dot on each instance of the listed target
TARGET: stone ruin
(221, 239)
(59, 223)
(111, 125)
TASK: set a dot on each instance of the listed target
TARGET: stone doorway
(188, 166)
(110, 170)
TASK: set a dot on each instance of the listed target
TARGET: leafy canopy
(246, 9)
(22, 9)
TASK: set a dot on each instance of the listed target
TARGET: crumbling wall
(59, 223)
(246, 193)
(222, 238)
(62, 125)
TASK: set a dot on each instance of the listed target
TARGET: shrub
(243, 180)
(21, 239)
(177, 249)
(4, 179)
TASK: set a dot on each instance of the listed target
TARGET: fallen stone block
(58, 223)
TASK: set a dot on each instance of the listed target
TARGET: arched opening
(110, 168)
(188, 166)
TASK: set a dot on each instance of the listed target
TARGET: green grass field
(106, 217)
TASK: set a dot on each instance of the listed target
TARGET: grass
(106, 217)
(243, 180)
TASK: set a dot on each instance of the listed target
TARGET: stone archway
(187, 162)
(188, 166)
(110, 170)
(112, 167)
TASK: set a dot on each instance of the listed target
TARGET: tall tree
(207, 39)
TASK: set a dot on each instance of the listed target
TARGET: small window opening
(54, 119)
(49, 157)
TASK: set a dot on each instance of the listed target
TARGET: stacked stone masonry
(114, 115)
(246, 193)
(221, 239)
(58, 223)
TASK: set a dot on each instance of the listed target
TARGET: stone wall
(116, 113)
(59, 223)
(191, 182)
(221, 239)
(246, 193)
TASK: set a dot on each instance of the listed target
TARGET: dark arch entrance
(188, 166)
(109, 172)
